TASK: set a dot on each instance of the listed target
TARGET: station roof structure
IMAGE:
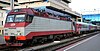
(25, 1)
(6, 3)
(60, 5)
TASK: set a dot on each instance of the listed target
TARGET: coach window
(29, 18)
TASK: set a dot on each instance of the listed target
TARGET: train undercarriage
(43, 39)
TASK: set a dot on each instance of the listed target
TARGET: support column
(12, 4)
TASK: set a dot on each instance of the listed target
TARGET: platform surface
(90, 44)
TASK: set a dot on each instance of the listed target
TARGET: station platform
(2, 41)
(90, 44)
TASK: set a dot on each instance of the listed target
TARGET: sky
(81, 5)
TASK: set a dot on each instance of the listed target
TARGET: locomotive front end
(14, 29)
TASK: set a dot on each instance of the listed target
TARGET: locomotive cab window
(15, 18)
(10, 18)
(29, 18)
(20, 18)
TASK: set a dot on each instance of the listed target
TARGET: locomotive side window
(29, 18)
(20, 18)
(10, 18)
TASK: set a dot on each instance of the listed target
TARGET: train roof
(86, 23)
(82, 23)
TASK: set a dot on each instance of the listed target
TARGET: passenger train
(29, 25)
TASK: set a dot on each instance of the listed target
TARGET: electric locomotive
(28, 25)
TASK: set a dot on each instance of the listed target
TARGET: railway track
(50, 46)
(8, 48)
(54, 46)
(3, 47)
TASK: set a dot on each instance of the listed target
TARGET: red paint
(20, 38)
(46, 15)
(21, 24)
(17, 13)
(32, 34)
(6, 37)
(22, 11)
(78, 27)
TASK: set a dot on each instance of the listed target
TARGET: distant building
(92, 18)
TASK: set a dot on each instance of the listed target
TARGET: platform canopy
(60, 5)
(6, 3)
(25, 1)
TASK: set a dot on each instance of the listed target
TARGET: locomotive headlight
(19, 33)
